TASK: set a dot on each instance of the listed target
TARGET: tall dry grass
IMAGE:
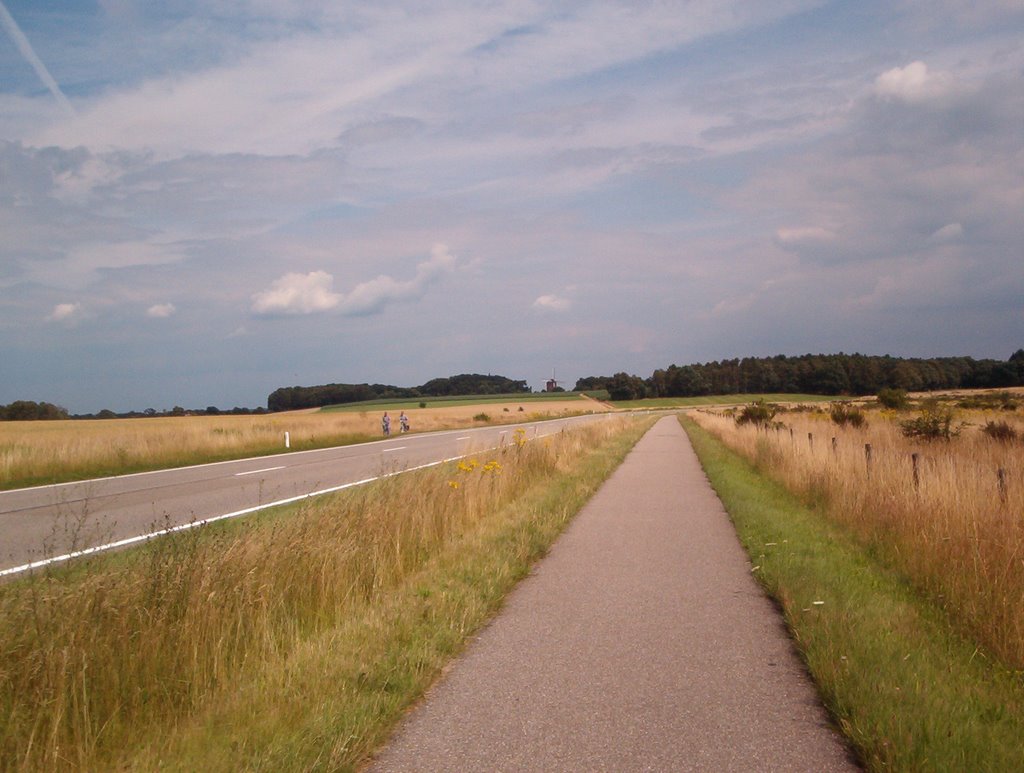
(34, 452)
(93, 658)
(957, 534)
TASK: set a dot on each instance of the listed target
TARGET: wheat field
(34, 452)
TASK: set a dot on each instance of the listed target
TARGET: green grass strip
(337, 698)
(909, 693)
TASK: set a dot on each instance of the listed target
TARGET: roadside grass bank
(909, 691)
(705, 400)
(288, 642)
(945, 512)
(43, 452)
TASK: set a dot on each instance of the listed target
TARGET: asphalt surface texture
(640, 643)
(37, 524)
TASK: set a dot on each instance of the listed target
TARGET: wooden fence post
(867, 458)
(834, 447)
(1001, 475)
(810, 440)
(917, 477)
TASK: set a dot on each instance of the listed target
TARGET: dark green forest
(29, 410)
(292, 398)
(820, 374)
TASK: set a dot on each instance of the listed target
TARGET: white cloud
(296, 92)
(913, 83)
(297, 294)
(552, 303)
(161, 310)
(84, 261)
(948, 233)
(803, 235)
(64, 312)
(313, 293)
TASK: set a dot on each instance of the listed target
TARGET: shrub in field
(846, 415)
(1000, 430)
(895, 399)
(1005, 401)
(481, 417)
(760, 414)
(934, 423)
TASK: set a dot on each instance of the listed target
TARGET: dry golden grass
(957, 533)
(33, 452)
(96, 661)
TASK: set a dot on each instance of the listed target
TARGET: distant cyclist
(403, 422)
(385, 424)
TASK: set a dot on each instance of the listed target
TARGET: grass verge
(695, 402)
(292, 642)
(909, 693)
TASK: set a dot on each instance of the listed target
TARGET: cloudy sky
(203, 201)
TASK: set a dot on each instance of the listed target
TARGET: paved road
(51, 521)
(639, 643)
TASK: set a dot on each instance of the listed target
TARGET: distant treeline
(823, 374)
(210, 410)
(293, 398)
(819, 374)
(28, 410)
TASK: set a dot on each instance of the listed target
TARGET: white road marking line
(193, 524)
(257, 472)
(439, 433)
(396, 448)
(464, 437)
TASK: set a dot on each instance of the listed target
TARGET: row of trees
(825, 374)
(28, 410)
(293, 398)
(210, 410)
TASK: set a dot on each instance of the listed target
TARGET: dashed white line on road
(194, 524)
(257, 472)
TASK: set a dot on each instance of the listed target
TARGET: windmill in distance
(551, 385)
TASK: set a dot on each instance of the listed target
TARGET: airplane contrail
(30, 55)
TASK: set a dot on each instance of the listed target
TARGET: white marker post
(287, 440)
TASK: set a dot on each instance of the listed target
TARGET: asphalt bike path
(640, 642)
